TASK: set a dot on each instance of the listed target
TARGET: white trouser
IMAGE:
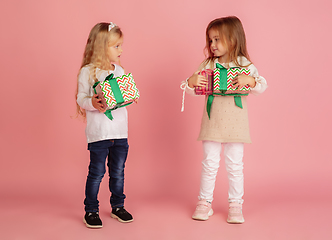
(233, 153)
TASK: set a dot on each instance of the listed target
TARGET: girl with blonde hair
(227, 125)
(106, 139)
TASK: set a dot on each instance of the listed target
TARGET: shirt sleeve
(185, 87)
(84, 95)
(261, 84)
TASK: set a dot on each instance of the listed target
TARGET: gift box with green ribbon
(223, 77)
(116, 92)
(222, 85)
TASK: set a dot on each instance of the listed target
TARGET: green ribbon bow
(223, 89)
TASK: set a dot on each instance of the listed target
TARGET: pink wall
(43, 150)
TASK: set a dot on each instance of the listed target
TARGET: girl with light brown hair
(224, 124)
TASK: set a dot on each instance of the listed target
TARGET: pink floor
(60, 217)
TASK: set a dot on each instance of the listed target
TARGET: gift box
(116, 92)
(222, 80)
(222, 85)
(207, 89)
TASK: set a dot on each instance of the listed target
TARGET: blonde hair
(232, 36)
(96, 52)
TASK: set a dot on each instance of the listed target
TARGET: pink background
(43, 150)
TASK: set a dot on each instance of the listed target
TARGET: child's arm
(85, 99)
(241, 80)
(197, 80)
(256, 82)
(96, 103)
(192, 82)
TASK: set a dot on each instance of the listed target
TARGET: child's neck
(225, 60)
(111, 67)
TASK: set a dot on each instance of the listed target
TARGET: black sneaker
(122, 215)
(92, 220)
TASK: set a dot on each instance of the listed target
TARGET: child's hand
(241, 80)
(197, 80)
(96, 103)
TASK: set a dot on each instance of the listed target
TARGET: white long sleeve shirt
(99, 126)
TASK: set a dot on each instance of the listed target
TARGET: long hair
(232, 36)
(96, 52)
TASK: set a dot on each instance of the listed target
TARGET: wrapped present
(207, 89)
(222, 85)
(222, 80)
(116, 92)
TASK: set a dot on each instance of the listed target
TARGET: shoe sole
(235, 222)
(91, 226)
(120, 220)
(203, 219)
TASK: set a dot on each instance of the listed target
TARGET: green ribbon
(223, 88)
(209, 104)
(238, 101)
(223, 77)
(117, 94)
(108, 114)
(115, 89)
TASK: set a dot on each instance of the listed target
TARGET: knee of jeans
(119, 174)
(95, 179)
(96, 175)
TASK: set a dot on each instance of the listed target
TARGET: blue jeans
(115, 151)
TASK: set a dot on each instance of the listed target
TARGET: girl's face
(216, 46)
(115, 50)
